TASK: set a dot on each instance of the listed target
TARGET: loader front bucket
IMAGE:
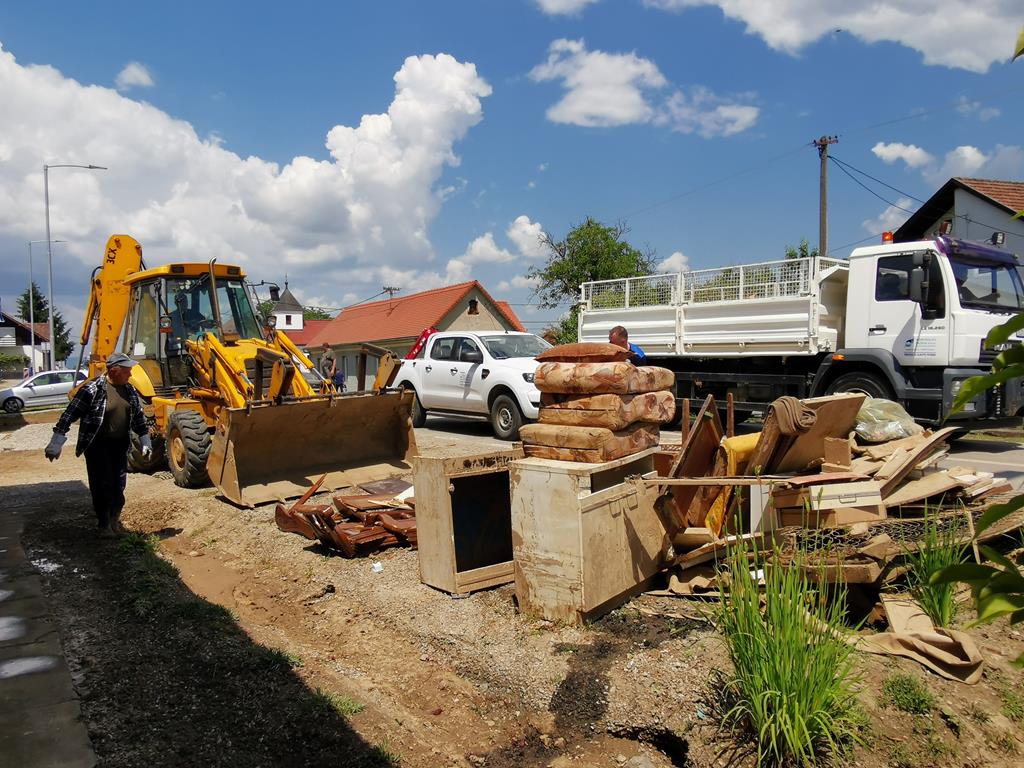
(274, 452)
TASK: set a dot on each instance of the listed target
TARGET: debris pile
(809, 483)
(356, 524)
(596, 406)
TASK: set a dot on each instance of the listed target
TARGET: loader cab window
(190, 306)
(142, 332)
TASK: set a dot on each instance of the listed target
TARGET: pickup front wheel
(506, 418)
(419, 415)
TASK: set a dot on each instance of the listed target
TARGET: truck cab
(917, 317)
(476, 374)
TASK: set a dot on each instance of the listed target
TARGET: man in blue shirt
(619, 336)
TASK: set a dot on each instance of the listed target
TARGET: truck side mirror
(916, 286)
(473, 356)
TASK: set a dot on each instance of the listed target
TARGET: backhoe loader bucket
(274, 452)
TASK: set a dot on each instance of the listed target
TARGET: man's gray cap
(120, 360)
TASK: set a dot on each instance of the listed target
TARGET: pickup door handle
(877, 329)
(428, 368)
(453, 371)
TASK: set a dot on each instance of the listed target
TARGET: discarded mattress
(598, 378)
(584, 352)
(610, 411)
(586, 444)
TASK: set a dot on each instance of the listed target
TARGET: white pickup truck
(485, 374)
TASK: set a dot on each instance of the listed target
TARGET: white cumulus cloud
(134, 75)
(524, 234)
(677, 262)
(912, 155)
(701, 111)
(602, 89)
(950, 33)
(891, 218)
(610, 89)
(337, 223)
(563, 7)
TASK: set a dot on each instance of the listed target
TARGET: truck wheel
(188, 446)
(864, 383)
(419, 415)
(506, 418)
(157, 460)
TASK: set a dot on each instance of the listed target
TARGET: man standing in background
(619, 336)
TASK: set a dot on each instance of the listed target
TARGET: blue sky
(355, 145)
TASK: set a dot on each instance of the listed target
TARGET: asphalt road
(1004, 459)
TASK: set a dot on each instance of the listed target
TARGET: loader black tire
(156, 461)
(419, 413)
(188, 447)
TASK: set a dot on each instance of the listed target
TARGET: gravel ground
(34, 437)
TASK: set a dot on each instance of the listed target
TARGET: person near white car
(109, 410)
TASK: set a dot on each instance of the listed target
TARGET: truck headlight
(528, 378)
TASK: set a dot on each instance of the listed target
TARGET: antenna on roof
(390, 290)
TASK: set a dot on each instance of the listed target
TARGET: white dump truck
(904, 321)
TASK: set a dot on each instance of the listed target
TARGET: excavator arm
(109, 298)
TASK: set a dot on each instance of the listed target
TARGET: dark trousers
(106, 462)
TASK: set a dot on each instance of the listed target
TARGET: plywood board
(884, 450)
(931, 444)
(917, 490)
(837, 416)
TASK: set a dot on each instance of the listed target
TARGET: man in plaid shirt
(109, 410)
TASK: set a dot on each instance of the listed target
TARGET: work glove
(52, 449)
(145, 446)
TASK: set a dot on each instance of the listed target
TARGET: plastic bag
(879, 420)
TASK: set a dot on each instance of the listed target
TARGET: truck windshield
(514, 345)
(985, 285)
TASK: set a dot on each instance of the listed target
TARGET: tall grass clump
(940, 546)
(793, 679)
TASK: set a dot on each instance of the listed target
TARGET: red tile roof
(310, 328)
(1009, 194)
(404, 317)
(42, 329)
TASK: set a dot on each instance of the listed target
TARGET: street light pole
(49, 250)
(32, 306)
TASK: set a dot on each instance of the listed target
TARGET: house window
(287, 319)
(474, 308)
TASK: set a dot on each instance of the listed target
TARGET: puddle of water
(26, 666)
(11, 627)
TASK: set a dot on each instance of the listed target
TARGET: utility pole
(822, 145)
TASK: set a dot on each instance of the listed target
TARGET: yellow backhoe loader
(229, 398)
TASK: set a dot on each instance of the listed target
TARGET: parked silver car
(46, 388)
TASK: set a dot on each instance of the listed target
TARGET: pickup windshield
(514, 345)
(984, 285)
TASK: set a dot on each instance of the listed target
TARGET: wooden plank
(884, 450)
(837, 415)
(925, 488)
(895, 460)
(691, 538)
(865, 465)
(711, 550)
(933, 443)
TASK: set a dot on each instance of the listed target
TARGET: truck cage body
(777, 308)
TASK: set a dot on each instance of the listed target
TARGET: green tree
(315, 313)
(802, 251)
(591, 251)
(41, 314)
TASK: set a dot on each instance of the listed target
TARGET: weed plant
(793, 678)
(940, 547)
(907, 694)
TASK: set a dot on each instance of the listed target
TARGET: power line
(859, 183)
(890, 186)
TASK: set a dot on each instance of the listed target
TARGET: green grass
(345, 706)
(1013, 704)
(938, 548)
(793, 673)
(273, 657)
(907, 694)
(386, 754)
